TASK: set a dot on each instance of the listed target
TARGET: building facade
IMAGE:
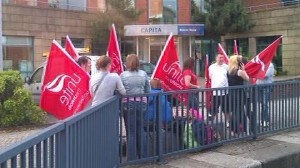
(29, 26)
(272, 18)
(148, 36)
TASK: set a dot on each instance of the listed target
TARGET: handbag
(98, 84)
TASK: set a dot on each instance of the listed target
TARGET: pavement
(281, 150)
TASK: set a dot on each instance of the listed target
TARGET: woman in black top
(236, 76)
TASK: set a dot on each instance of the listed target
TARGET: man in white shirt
(218, 75)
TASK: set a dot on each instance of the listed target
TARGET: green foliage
(17, 107)
(120, 12)
(226, 16)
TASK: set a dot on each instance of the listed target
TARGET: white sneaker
(266, 124)
(227, 124)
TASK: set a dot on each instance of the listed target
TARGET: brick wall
(281, 21)
(184, 11)
(44, 25)
(142, 5)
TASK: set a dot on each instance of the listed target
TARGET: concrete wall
(283, 21)
(46, 24)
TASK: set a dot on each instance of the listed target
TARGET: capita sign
(164, 29)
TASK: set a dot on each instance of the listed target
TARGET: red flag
(235, 48)
(222, 51)
(168, 69)
(65, 89)
(258, 66)
(71, 49)
(114, 53)
(208, 85)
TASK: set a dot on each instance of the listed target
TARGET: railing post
(61, 148)
(255, 102)
(160, 133)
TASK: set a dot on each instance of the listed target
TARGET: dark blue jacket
(153, 108)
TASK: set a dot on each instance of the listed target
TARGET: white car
(35, 81)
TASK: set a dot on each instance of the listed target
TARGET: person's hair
(132, 62)
(103, 62)
(234, 62)
(83, 60)
(155, 83)
(244, 60)
(189, 64)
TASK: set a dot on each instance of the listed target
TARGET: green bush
(16, 104)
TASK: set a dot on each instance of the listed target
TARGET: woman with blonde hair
(236, 76)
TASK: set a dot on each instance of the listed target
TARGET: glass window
(162, 11)
(37, 76)
(290, 2)
(77, 42)
(263, 42)
(68, 4)
(170, 11)
(18, 54)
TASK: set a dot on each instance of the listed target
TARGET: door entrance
(156, 46)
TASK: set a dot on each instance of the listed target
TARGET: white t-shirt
(218, 76)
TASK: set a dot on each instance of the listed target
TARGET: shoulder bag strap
(99, 83)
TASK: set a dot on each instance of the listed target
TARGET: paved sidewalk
(8, 138)
(280, 150)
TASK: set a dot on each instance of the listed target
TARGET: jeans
(193, 101)
(134, 113)
(265, 94)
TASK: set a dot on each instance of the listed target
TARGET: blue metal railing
(89, 139)
(149, 127)
(195, 126)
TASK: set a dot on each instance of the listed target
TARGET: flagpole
(170, 36)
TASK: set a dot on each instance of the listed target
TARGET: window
(68, 4)
(37, 76)
(77, 42)
(18, 54)
(162, 11)
(289, 2)
(242, 44)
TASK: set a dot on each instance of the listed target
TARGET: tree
(226, 16)
(119, 12)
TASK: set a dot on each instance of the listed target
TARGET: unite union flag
(65, 89)
(113, 51)
(258, 66)
(168, 70)
(71, 49)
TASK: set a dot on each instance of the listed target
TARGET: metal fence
(163, 126)
(89, 139)
(149, 127)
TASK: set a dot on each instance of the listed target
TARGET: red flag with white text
(113, 51)
(71, 49)
(235, 48)
(208, 85)
(168, 70)
(258, 66)
(222, 51)
(65, 89)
